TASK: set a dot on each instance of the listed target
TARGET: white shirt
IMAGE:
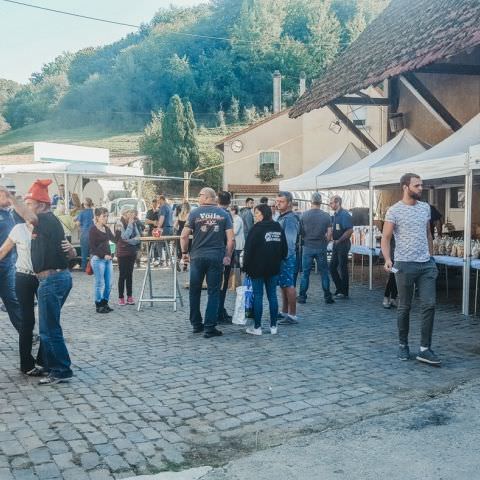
(21, 236)
(239, 232)
(410, 231)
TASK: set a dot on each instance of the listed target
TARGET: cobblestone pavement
(148, 395)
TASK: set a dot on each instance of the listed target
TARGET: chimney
(303, 83)
(277, 91)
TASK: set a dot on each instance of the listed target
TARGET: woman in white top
(26, 286)
(239, 234)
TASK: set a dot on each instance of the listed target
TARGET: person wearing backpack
(291, 227)
(265, 249)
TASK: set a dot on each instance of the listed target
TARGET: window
(457, 197)
(270, 158)
(359, 116)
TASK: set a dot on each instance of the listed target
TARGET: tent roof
(446, 159)
(404, 145)
(91, 170)
(406, 36)
(339, 160)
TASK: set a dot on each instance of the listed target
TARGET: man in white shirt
(409, 221)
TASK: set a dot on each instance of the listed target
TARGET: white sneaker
(273, 330)
(254, 331)
(394, 302)
(386, 302)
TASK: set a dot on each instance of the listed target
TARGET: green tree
(191, 144)
(150, 142)
(174, 155)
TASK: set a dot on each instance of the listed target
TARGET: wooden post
(186, 186)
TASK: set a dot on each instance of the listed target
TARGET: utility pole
(186, 185)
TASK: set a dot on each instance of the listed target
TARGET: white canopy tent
(446, 159)
(339, 160)
(403, 146)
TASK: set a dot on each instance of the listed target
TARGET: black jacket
(265, 248)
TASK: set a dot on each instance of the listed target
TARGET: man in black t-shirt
(50, 265)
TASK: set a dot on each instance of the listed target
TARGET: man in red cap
(50, 264)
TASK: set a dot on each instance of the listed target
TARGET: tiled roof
(407, 35)
(253, 189)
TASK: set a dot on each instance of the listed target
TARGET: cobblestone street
(148, 395)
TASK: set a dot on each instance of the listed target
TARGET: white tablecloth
(364, 250)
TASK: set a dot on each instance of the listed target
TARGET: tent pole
(372, 246)
(467, 240)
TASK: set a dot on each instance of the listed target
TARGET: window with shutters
(270, 159)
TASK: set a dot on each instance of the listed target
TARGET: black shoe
(106, 306)
(213, 333)
(198, 328)
(225, 320)
(301, 299)
(329, 300)
(427, 356)
(403, 352)
(100, 307)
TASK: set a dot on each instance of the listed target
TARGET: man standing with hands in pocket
(409, 221)
(209, 225)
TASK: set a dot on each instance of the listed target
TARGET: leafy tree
(150, 142)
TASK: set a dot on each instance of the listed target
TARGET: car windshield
(130, 202)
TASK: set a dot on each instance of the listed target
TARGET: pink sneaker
(130, 301)
(121, 301)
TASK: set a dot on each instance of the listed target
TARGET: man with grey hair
(291, 226)
(209, 225)
(316, 231)
(342, 228)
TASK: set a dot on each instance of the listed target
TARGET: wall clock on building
(237, 146)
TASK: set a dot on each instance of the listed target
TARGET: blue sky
(32, 37)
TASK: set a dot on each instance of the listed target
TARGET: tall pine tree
(174, 155)
(190, 141)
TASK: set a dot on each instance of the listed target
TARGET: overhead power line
(182, 34)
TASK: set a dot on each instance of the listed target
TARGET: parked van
(115, 208)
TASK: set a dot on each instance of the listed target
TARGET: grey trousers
(424, 276)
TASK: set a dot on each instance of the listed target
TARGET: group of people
(274, 244)
(278, 242)
(34, 256)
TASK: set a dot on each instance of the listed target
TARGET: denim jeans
(212, 269)
(339, 266)
(103, 272)
(52, 293)
(270, 284)
(26, 287)
(424, 276)
(9, 298)
(84, 248)
(320, 255)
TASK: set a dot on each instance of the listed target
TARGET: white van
(115, 207)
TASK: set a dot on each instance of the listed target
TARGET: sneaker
(100, 308)
(36, 372)
(273, 330)
(213, 333)
(386, 302)
(403, 352)
(340, 295)
(394, 302)
(427, 356)
(130, 301)
(156, 263)
(51, 380)
(301, 299)
(121, 301)
(254, 331)
(198, 328)
(289, 320)
(329, 300)
(282, 315)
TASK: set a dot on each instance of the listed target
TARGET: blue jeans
(212, 269)
(320, 255)
(52, 293)
(85, 248)
(103, 272)
(270, 284)
(8, 296)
